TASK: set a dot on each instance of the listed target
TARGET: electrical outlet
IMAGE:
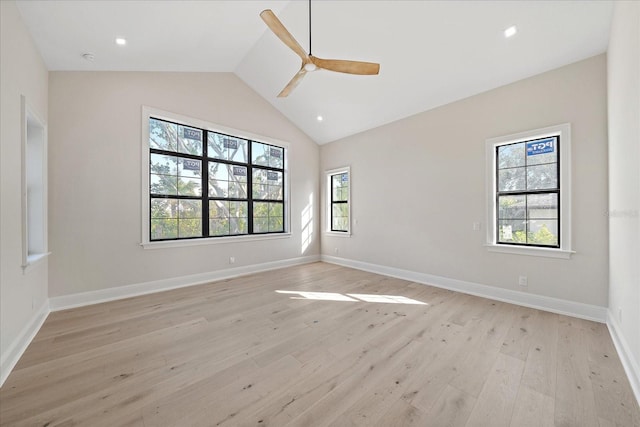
(522, 281)
(336, 250)
(476, 226)
(232, 260)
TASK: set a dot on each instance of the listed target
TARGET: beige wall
(418, 185)
(95, 210)
(624, 174)
(23, 73)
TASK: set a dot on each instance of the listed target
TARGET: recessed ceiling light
(120, 41)
(511, 31)
(320, 118)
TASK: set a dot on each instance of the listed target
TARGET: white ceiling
(431, 52)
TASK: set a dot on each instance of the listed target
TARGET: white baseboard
(626, 356)
(110, 294)
(16, 349)
(554, 305)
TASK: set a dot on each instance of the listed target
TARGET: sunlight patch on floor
(332, 296)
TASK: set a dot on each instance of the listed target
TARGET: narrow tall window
(205, 183)
(338, 184)
(34, 187)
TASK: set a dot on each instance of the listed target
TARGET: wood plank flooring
(344, 349)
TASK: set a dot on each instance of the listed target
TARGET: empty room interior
(320, 213)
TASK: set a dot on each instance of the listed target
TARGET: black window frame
(334, 202)
(525, 193)
(204, 197)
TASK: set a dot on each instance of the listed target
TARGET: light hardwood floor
(238, 353)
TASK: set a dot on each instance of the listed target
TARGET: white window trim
(328, 175)
(145, 242)
(28, 116)
(565, 251)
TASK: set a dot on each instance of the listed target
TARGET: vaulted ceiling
(431, 52)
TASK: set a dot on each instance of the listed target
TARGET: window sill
(531, 251)
(33, 260)
(338, 233)
(212, 241)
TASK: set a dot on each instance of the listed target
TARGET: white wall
(94, 185)
(418, 185)
(624, 177)
(22, 295)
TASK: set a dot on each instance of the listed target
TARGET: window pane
(190, 227)
(219, 179)
(542, 151)
(237, 173)
(219, 227)
(189, 168)
(275, 192)
(511, 179)
(218, 209)
(164, 165)
(218, 188)
(539, 159)
(260, 191)
(542, 177)
(543, 232)
(189, 187)
(276, 157)
(216, 147)
(163, 135)
(259, 154)
(190, 209)
(511, 155)
(238, 209)
(340, 186)
(260, 209)
(275, 224)
(260, 225)
(189, 140)
(237, 190)
(275, 210)
(511, 207)
(166, 185)
(339, 224)
(512, 231)
(219, 171)
(238, 151)
(227, 147)
(238, 226)
(268, 217)
(164, 208)
(542, 206)
(164, 229)
(340, 210)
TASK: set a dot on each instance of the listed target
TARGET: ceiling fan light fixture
(310, 66)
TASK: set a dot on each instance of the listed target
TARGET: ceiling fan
(310, 62)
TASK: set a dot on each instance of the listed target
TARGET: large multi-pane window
(528, 192)
(204, 183)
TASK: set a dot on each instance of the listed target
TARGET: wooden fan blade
(283, 34)
(349, 67)
(293, 83)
